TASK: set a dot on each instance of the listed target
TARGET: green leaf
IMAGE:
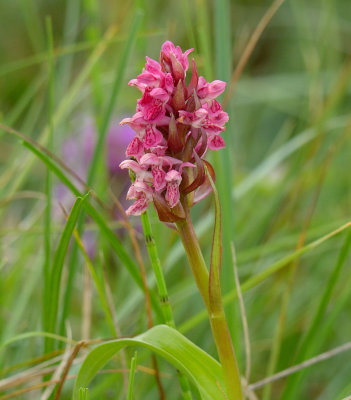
(263, 275)
(216, 253)
(83, 394)
(123, 255)
(62, 109)
(57, 267)
(203, 370)
(133, 365)
(310, 341)
(116, 87)
(28, 335)
(48, 183)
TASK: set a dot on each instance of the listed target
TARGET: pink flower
(210, 117)
(153, 66)
(137, 122)
(159, 150)
(175, 124)
(159, 180)
(152, 159)
(216, 113)
(208, 91)
(140, 170)
(201, 118)
(173, 179)
(135, 148)
(158, 164)
(153, 77)
(194, 119)
(152, 104)
(142, 193)
(168, 49)
(153, 137)
(215, 142)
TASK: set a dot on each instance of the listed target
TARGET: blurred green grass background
(283, 179)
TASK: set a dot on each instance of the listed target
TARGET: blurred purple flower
(77, 152)
(117, 140)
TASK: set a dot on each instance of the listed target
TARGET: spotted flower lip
(175, 124)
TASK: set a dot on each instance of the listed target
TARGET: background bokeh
(284, 179)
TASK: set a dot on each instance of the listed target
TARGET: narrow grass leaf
(157, 269)
(203, 370)
(216, 253)
(94, 165)
(307, 347)
(260, 277)
(26, 162)
(33, 23)
(48, 183)
(133, 365)
(28, 335)
(99, 286)
(98, 218)
(223, 160)
(168, 318)
(123, 62)
(57, 268)
(83, 394)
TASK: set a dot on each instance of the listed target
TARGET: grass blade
(133, 365)
(28, 335)
(83, 394)
(168, 318)
(307, 346)
(123, 255)
(56, 271)
(94, 165)
(223, 162)
(99, 287)
(260, 277)
(26, 162)
(48, 186)
(103, 127)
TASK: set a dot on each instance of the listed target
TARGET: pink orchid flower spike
(175, 124)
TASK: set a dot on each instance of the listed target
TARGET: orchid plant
(176, 124)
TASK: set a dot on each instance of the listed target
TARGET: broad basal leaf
(203, 370)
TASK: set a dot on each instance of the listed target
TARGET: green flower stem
(156, 266)
(196, 260)
(162, 291)
(214, 307)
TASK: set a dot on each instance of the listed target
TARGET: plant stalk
(162, 292)
(214, 308)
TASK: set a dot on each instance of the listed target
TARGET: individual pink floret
(142, 193)
(173, 179)
(135, 148)
(215, 142)
(209, 90)
(168, 48)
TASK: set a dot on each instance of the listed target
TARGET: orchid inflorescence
(175, 125)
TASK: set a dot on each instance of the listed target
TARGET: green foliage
(203, 371)
(56, 271)
(283, 184)
(133, 364)
(83, 394)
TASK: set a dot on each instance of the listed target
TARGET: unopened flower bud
(178, 100)
(175, 142)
